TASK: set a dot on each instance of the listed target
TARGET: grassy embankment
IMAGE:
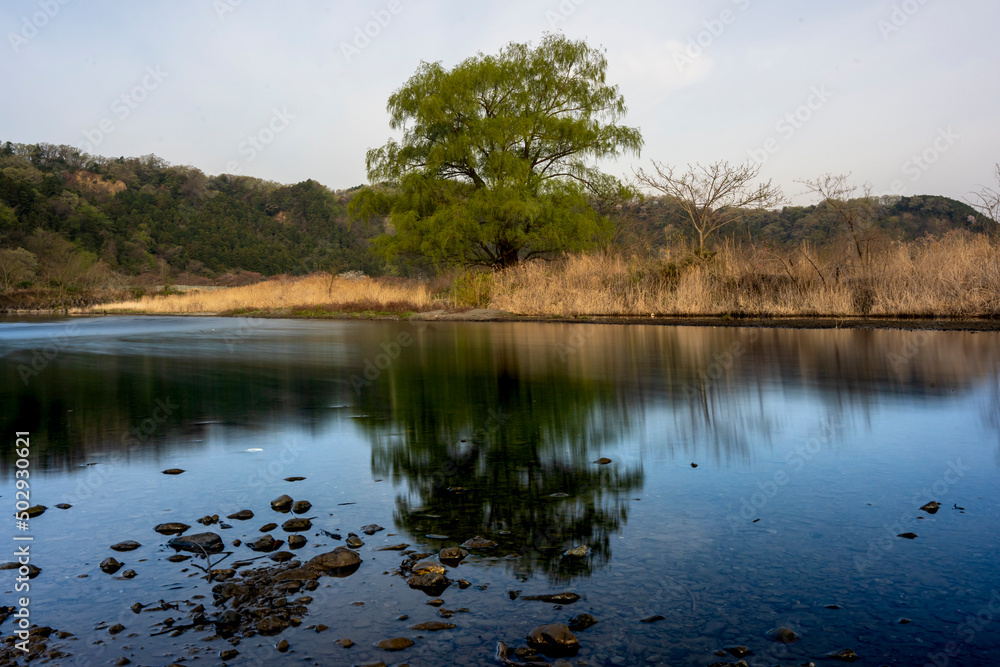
(954, 276)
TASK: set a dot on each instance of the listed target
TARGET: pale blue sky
(886, 80)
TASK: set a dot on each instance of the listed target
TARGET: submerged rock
(433, 626)
(577, 552)
(173, 528)
(393, 547)
(282, 503)
(301, 506)
(34, 510)
(294, 479)
(425, 566)
(354, 541)
(296, 541)
(296, 525)
(339, 562)
(932, 507)
(431, 583)
(782, 635)
(127, 545)
(271, 625)
(63, 506)
(242, 515)
(395, 644)
(553, 639)
(209, 542)
(452, 556)
(738, 651)
(843, 655)
(908, 536)
(478, 542)
(268, 527)
(653, 619)
(173, 471)
(110, 565)
(603, 461)
(582, 622)
(371, 529)
(265, 543)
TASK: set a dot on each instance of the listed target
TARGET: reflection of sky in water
(832, 439)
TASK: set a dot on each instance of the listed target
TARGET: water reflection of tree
(483, 441)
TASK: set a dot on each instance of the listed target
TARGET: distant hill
(141, 215)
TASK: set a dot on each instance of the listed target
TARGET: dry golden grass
(291, 294)
(957, 275)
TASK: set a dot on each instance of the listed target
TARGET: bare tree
(15, 266)
(986, 200)
(853, 205)
(713, 195)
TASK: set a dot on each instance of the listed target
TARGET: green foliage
(17, 268)
(142, 215)
(494, 163)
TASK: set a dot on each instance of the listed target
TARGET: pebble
(395, 644)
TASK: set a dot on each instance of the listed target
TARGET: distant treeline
(72, 220)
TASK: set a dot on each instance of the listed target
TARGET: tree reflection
(490, 443)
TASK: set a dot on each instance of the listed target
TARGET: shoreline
(485, 315)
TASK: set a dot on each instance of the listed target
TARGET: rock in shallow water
(431, 583)
(843, 655)
(340, 561)
(932, 507)
(271, 625)
(452, 556)
(282, 503)
(395, 644)
(577, 552)
(110, 565)
(208, 542)
(554, 639)
(173, 471)
(127, 545)
(371, 529)
(581, 622)
(783, 635)
(296, 525)
(433, 626)
(301, 507)
(242, 515)
(173, 528)
(554, 598)
(478, 542)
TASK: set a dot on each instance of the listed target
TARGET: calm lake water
(813, 449)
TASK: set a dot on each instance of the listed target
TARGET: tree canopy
(496, 161)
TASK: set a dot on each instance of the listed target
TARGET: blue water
(814, 450)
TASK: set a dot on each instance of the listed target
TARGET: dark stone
(478, 542)
(271, 625)
(242, 515)
(653, 619)
(909, 536)
(301, 506)
(294, 479)
(554, 640)
(129, 574)
(581, 622)
(783, 635)
(344, 643)
(433, 626)
(116, 628)
(281, 556)
(393, 547)
(554, 598)
(738, 651)
(932, 507)
(296, 541)
(340, 562)
(110, 565)
(603, 461)
(428, 566)
(63, 506)
(452, 556)
(268, 527)
(296, 525)
(282, 503)
(265, 543)
(354, 541)
(201, 542)
(127, 545)
(228, 654)
(371, 529)
(173, 528)
(843, 655)
(431, 583)
(395, 644)
(172, 471)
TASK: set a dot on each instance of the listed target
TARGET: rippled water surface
(758, 478)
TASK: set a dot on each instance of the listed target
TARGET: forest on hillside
(73, 221)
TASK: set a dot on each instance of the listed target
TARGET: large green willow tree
(496, 161)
